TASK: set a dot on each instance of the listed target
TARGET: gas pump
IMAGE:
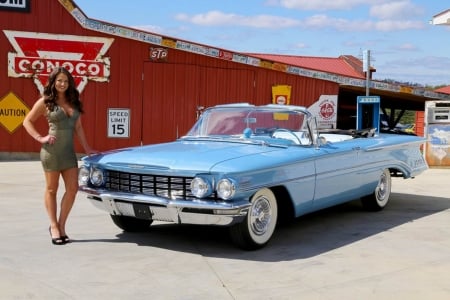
(437, 132)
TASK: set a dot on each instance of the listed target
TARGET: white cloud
(323, 21)
(150, 28)
(395, 10)
(300, 46)
(217, 18)
(386, 16)
(160, 30)
(433, 63)
(320, 21)
(427, 69)
(419, 65)
(406, 47)
(322, 4)
(393, 25)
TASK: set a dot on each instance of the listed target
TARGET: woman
(61, 105)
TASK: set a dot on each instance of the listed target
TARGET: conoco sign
(38, 53)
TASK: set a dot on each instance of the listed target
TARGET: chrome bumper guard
(162, 209)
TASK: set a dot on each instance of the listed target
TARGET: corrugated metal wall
(173, 91)
(162, 96)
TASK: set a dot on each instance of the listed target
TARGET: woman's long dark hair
(72, 94)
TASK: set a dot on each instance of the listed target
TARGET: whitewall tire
(259, 225)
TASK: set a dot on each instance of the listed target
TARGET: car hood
(193, 156)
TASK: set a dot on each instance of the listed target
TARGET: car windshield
(251, 121)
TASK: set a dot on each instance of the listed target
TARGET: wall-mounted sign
(325, 110)
(38, 53)
(15, 5)
(281, 94)
(12, 112)
(118, 122)
(158, 54)
(368, 99)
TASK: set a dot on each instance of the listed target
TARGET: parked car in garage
(248, 167)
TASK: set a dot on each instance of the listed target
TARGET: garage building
(140, 87)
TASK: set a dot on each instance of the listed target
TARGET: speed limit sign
(119, 122)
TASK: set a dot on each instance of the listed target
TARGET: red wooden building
(140, 87)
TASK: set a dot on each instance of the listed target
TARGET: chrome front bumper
(162, 209)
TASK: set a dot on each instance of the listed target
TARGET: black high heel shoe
(65, 239)
(55, 241)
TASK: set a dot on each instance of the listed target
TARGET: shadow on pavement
(307, 236)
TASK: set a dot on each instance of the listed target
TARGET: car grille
(154, 185)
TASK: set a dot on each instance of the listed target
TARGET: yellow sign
(280, 116)
(12, 112)
(169, 43)
(406, 89)
(281, 94)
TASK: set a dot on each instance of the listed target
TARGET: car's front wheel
(131, 224)
(257, 228)
(380, 197)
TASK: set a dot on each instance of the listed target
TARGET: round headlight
(96, 177)
(83, 176)
(225, 189)
(200, 187)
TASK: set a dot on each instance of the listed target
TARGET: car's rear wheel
(380, 197)
(257, 228)
(131, 224)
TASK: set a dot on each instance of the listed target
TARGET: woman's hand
(48, 139)
(91, 151)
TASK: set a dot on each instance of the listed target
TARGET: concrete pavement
(340, 253)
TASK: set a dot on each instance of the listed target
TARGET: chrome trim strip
(202, 213)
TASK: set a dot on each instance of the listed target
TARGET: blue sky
(403, 44)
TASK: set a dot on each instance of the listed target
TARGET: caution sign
(12, 112)
(119, 122)
(281, 94)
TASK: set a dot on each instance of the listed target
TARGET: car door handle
(356, 148)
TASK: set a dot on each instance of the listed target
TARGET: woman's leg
(70, 177)
(51, 189)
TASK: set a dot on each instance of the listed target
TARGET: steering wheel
(288, 131)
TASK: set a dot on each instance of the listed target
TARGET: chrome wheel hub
(261, 215)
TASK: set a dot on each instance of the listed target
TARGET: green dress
(60, 155)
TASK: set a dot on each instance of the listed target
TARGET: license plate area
(142, 211)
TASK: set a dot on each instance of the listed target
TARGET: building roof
(345, 70)
(345, 65)
(443, 90)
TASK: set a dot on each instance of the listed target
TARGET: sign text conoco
(37, 54)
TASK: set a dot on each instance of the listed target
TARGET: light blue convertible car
(248, 167)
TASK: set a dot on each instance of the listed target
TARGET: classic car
(248, 168)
